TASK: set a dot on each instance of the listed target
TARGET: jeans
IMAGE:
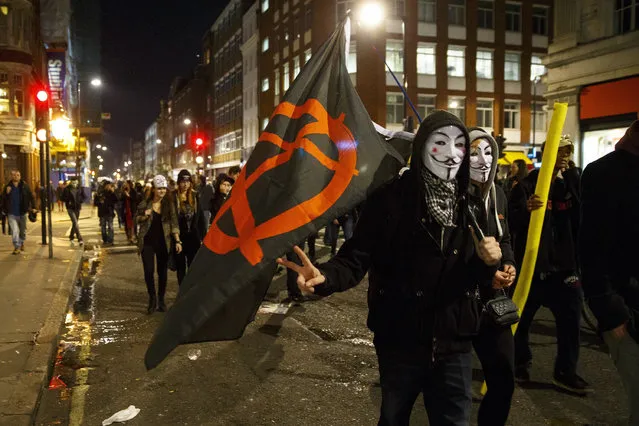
(75, 228)
(18, 228)
(625, 354)
(149, 255)
(565, 302)
(495, 349)
(333, 231)
(106, 225)
(446, 387)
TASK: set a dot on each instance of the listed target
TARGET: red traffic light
(199, 142)
(42, 95)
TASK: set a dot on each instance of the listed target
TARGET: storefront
(606, 110)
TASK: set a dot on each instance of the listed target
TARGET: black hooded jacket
(421, 292)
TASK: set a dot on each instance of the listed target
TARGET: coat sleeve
(200, 224)
(141, 217)
(353, 260)
(599, 207)
(175, 226)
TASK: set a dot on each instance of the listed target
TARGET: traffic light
(501, 144)
(42, 114)
(199, 142)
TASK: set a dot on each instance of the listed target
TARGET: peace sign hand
(308, 276)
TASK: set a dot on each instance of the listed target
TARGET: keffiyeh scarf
(441, 198)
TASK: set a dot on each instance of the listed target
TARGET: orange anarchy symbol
(248, 233)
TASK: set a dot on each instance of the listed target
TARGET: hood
(434, 121)
(630, 141)
(479, 133)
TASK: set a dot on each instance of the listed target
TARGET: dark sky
(145, 44)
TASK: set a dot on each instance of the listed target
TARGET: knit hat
(184, 175)
(160, 182)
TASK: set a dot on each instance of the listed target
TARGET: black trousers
(565, 302)
(190, 246)
(495, 348)
(149, 255)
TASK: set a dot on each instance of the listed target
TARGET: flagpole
(400, 86)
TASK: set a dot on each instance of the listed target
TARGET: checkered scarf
(441, 198)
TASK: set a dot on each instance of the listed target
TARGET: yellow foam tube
(537, 216)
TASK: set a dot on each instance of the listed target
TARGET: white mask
(444, 152)
(481, 161)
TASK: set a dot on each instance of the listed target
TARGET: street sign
(106, 115)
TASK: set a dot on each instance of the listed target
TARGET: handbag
(501, 310)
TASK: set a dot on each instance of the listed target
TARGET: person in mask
(414, 240)
(494, 345)
(73, 197)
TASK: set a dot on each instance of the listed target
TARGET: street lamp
(96, 82)
(187, 121)
(371, 14)
(104, 148)
(158, 141)
(535, 80)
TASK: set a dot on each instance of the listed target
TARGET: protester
(17, 201)
(555, 283)
(191, 222)
(518, 172)
(58, 195)
(234, 172)
(73, 197)
(414, 240)
(205, 192)
(494, 344)
(609, 253)
(129, 201)
(158, 230)
(105, 200)
(223, 186)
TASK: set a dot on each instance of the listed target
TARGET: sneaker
(81, 243)
(522, 373)
(572, 383)
(22, 247)
(16, 251)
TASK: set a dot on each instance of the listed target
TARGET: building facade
(477, 59)
(22, 69)
(250, 116)
(151, 139)
(226, 83)
(593, 65)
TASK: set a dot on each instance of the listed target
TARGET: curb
(38, 366)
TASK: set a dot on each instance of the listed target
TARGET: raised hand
(308, 276)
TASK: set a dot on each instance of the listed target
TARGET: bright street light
(61, 128)
(371, 14)
(199, 159)
(101, 160)
(100, 167)
(98, 146)
(104, 148)
(453, 104)
(4, 155)
(158, 141)
(187, 121)
(117, 170)
(96, 82)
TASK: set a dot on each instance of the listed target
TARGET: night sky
(145, 44)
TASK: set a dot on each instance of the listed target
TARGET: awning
(511, 156)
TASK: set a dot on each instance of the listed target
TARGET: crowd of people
(442, 244)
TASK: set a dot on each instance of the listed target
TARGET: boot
(161, 305)
(161, 292)
(152, 304)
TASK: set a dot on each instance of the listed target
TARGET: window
(426, 10)
(296, 28)
(511, 115)
(264, 84)
(425, 59)
(540, 20)
(484, 64)
(512, 66)
(485, 113)
(425, 105)
(457, 106)
(395, 55)
(4, 24)
(455, 61)
(538, 116)
(397, 8)
(308, 18)
(456, 12)
(307, 55)
(4, 100)
(264, 5)
(276, 82)
(394, 108)
(485, 14)
(286, 76)
(351, 62)
(207, 56)
(296, 66)
(536, 67)
(626, 16)
(265, 44)
(513, 17)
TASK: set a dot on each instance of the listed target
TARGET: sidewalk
(34, 295)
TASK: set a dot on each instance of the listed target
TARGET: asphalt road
(296, 365)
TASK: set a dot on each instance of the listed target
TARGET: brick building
(474, 58)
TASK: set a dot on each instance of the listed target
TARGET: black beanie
(184, 175)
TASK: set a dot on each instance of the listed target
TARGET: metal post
(43, 195)
(48, 179)
(534, 115)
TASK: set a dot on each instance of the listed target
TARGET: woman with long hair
(191, 222)
(223, 186)
(129, 202)
(158, 230)
(518, 172)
